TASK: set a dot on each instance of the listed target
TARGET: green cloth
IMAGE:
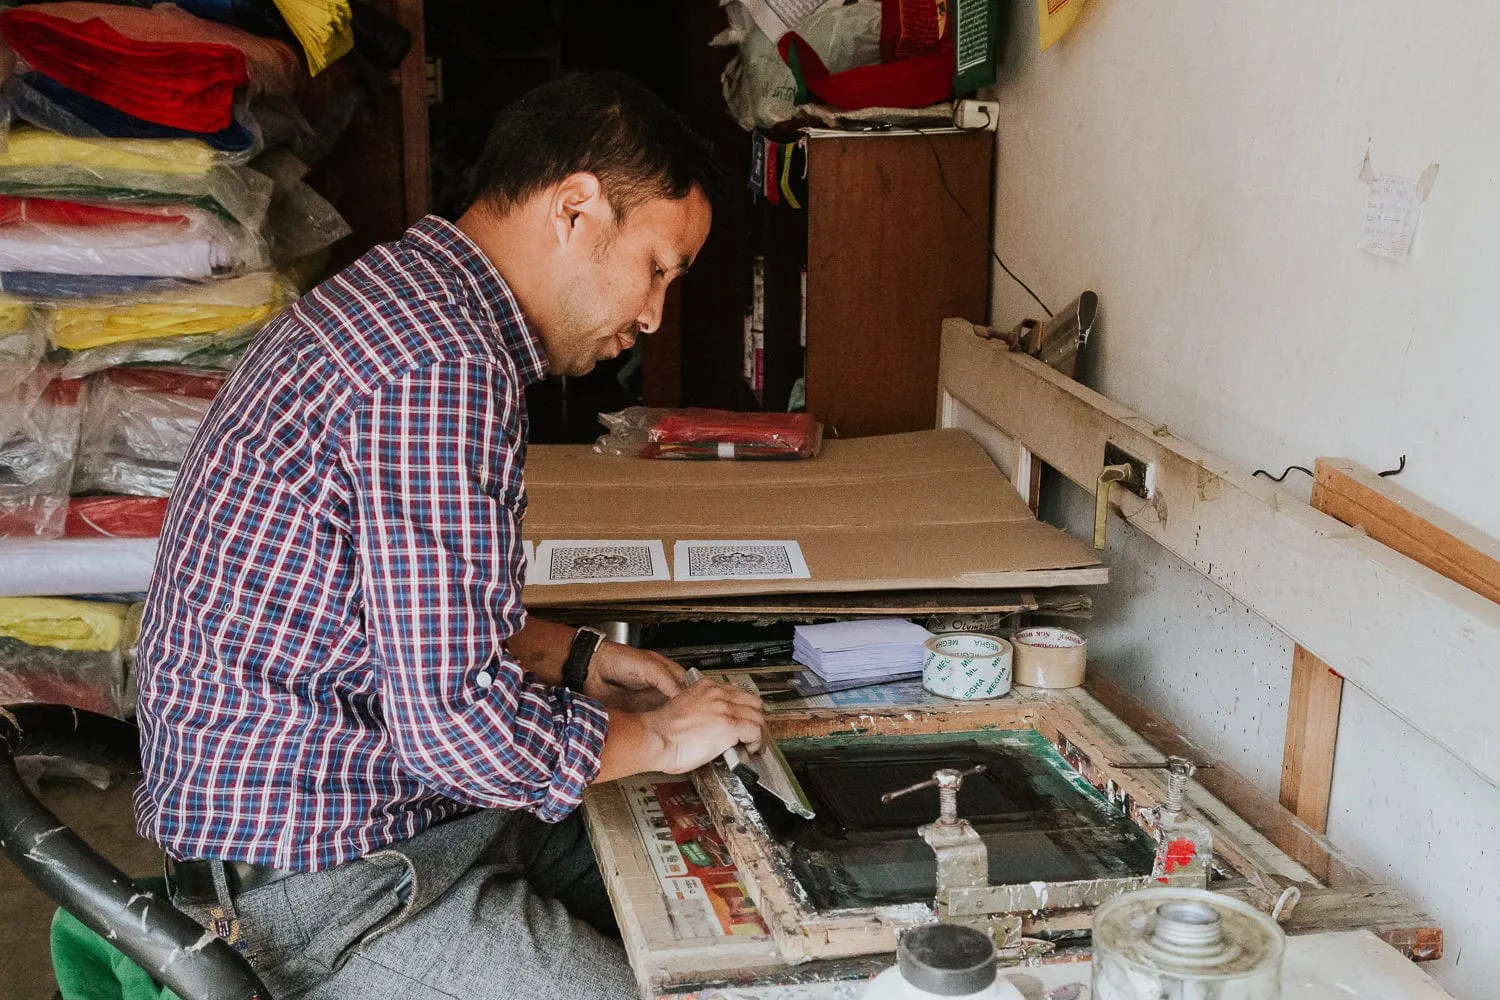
(90, 968)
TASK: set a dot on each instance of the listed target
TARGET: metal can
(1185, 944)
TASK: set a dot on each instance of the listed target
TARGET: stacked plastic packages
(153, 215)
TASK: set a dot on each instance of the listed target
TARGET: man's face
(613, 278)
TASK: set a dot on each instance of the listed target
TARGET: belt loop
(226, 918)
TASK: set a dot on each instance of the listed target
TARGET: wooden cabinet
(895, 236)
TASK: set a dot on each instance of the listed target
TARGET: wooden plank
(1312, 728)
(1421, 645)
(889, 254)
(416, 177)
(1404, 521)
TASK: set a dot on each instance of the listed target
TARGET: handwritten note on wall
(1392, 210)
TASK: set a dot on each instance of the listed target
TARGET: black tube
(158, 937)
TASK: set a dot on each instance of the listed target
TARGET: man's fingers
(667, 677)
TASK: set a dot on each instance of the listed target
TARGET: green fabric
(90, 968)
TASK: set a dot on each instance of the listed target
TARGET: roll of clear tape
(966, 666)
(1049, 657)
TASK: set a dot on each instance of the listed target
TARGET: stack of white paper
(875, 650)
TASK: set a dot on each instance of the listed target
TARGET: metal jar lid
(947, 959)
(1188, 934)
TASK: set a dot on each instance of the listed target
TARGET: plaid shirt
(322, 662)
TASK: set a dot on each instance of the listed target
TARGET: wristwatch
(575, 671)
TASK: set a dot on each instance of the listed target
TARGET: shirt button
(484, 678)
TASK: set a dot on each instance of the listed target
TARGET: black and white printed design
(718, 559)
(599, 561)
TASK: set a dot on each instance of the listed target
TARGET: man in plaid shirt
(360, 755)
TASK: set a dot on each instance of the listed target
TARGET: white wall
(1198, 166)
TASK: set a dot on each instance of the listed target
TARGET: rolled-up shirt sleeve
(435, 461)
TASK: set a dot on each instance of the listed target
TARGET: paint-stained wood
(889, 254)
(1312, 728)
(1359, 606)
(1404, 521)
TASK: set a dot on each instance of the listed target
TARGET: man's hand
(633, 680)
(688, 731)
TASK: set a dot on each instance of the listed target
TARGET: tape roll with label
(966, 666)
(1049, 657)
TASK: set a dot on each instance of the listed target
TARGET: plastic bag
(760, 88)
(139, 171)
(36, 458)
(66, 652)
(23, 339)
(115, 517)
(47, 104)
(205, 325)
(46, 236)
(300, 222)
(137, 426)
(648, 432)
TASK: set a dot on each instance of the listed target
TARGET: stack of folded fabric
(153, 211)
(67, 652)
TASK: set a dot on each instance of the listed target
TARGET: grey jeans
(490, 905)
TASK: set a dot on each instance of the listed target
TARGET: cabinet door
(891, 252)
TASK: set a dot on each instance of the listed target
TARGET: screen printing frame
(1254, 837)
(802, 932)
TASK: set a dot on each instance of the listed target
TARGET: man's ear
(576, 206)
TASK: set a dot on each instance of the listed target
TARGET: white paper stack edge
(873, 650)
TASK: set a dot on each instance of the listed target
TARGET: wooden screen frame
(802, 932)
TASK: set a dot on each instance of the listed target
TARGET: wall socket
(1141, 481)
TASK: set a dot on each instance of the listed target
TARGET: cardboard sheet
(902, 512)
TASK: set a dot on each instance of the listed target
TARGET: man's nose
(650, 317)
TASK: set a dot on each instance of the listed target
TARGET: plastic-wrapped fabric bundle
(36, 457)
(42, 235)
(23, 340)
(47, 104)
(115, 517)
(143, 171)
(137, 425)
(300, 221)
(325, 29)
(194, 325)
(66, 652)
(693, 432)
(159, 63)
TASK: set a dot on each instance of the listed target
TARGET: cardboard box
(902, 512)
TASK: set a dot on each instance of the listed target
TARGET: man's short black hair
(606, 124)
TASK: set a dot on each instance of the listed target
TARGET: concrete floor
(106, 821)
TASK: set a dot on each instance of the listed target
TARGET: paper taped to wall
(1392, 210)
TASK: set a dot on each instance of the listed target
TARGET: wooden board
(889, 254)
(1395, 517)
(1312, 729)
(1404, 521)
(1421, 645)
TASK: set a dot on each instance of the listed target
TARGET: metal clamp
(962, 859)
(1179, 770)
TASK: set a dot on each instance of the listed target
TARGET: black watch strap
(575, 671)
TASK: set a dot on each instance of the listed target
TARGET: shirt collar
(449, 244)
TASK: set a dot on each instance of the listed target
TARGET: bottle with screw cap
(1184, 944)
(942, 962)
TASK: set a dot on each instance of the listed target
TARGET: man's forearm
(541, 647)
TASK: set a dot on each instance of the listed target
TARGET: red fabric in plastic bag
(50, 211)
(166, 381)
(115, 517)
(905, 83)
(160, 64)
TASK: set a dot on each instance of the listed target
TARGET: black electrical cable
(979, 231)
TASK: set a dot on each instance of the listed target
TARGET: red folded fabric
(160, 63)
(905, 83)
(911, 27)
(115, 517)
(166, 381)
(52, 212)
